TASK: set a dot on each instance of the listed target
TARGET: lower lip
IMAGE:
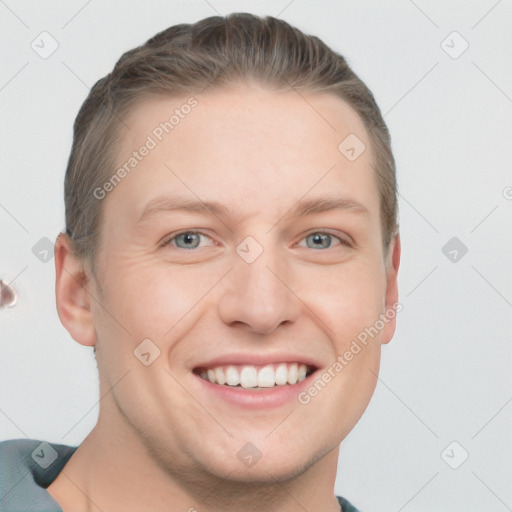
(256, 398)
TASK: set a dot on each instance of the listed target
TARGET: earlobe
(392, 306)
(71, 290)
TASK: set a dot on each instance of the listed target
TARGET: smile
(256, 377)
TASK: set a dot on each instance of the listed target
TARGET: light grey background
(447, 375)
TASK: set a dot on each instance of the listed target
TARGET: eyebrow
(301, 208)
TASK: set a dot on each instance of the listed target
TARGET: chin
(268, 466)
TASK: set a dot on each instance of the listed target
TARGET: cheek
(347, 298)
(151, 299)
(154, 300)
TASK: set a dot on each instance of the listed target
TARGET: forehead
(242, 111)
(234, 143)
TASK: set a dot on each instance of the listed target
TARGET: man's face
(258, 282)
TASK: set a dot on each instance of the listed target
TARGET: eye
(186, 240)
(322, 240)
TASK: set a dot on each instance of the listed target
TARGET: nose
(259, 295)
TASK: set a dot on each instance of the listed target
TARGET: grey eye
(190, 240)
(321, 240)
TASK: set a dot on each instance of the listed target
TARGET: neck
(105, 476)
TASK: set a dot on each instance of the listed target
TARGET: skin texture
(163, 442)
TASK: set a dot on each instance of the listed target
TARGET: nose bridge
(258, 293)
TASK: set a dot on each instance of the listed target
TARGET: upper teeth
(256, 377)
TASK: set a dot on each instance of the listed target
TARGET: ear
(392, 306)
(72, 293)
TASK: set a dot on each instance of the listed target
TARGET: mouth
(256, 377)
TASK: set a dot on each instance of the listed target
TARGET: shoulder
(27, 468)
(346, 505)
(42, 459)
(14, 458)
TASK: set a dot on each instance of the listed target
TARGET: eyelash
(191, 232)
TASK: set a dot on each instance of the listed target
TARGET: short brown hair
(187, 58)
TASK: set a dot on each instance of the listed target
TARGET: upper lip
(258, 360)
